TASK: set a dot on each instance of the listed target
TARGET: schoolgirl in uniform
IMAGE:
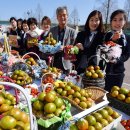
(115, 69)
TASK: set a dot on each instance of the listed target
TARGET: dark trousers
(113, 80)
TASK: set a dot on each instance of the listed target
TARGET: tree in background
(127, 8)
(39, 14)
(107, 7)
(74, 17)
(54, 19)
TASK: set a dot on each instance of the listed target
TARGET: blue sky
(19, 8)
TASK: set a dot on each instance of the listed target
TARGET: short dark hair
(21, 20)
(24, 22)
(31, 21)
(46, 18)
(93, 13)
(116, 12)
(59, 9)
(12, 18)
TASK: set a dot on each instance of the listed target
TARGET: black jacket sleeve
(125, 51)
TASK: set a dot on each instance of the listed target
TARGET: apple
(90, 68)
(67, 88)
(104, 122)
(97, 67)
(104, 113)
(115, 114)
(127, 100)
(98, 116)
(114, 93)
(115, 88)
(59, 90)
(109, 119)
(98, 126)
(41, 96)
(91, 119)
(109, 109)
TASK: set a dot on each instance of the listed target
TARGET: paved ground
(127, 74)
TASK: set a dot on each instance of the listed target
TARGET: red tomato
(127, 127)
(128, 123)
(123, 123)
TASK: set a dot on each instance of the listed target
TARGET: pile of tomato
(126, 124)
(48, 79)
(110, 43)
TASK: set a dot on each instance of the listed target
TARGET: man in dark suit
(64, 34)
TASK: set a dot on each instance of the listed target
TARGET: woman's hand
(80, 46)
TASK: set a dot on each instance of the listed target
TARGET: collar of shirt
(93, 32)
(92, 35)
(121, 31)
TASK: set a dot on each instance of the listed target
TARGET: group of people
(87, 40)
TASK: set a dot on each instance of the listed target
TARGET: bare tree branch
(127, 8)
(39, 14)
(74, 17)
(107, 7)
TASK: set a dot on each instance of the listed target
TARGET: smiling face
(33, 26)
(25, 27)
(19, 24)
(118, 22)
(94, 22)
(13, 23)
(46, 25)
(62, 18)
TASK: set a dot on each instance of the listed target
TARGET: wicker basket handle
(54, 77)
(99, 58)
(12, 81)
(27, 99)
(31, 53)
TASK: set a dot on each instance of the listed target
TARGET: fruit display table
(77, 113)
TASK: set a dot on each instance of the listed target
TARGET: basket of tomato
(47, 81)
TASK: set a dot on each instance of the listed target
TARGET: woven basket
(99, 82)
(46, 75)
(72, 102)
(97, 93)
(6, 87)
(22, 66)
(30, 54)
(33, 123)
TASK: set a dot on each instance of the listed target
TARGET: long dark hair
(119, 11)
(100, 27)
